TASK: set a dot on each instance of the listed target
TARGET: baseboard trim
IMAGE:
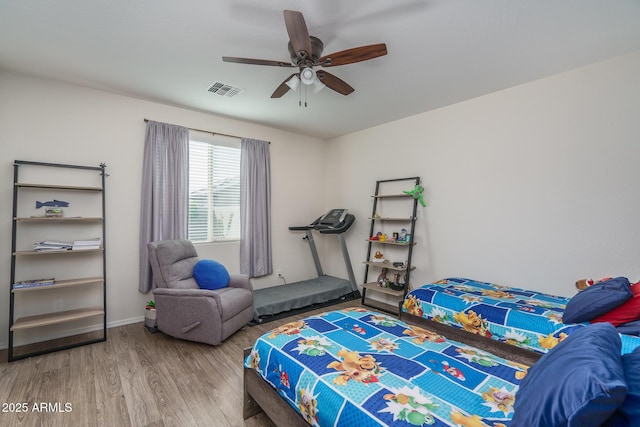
(4, 345)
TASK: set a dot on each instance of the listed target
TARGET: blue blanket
(527, 319)
(356, 367)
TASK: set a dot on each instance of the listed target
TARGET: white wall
(535, 186)
(46, 121)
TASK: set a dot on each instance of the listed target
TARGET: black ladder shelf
(24, 315)
(400, 289)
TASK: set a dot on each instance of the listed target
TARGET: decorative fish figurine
(52, 204)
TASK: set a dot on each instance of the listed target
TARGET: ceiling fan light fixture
(318, 86)
(307, 76)
(293, 83)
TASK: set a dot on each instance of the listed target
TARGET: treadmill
(281, 301)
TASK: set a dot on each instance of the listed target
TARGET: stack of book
(53, 213)
(49, 245)
(33, 283)
(83, 245)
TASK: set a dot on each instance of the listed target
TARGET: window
(214, 188)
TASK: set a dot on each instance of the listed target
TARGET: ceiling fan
(305, 52)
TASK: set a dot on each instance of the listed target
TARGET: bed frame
(259, 396)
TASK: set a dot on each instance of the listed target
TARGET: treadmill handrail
(300, 228)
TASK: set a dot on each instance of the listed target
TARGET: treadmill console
(332, 219)
(336, 221)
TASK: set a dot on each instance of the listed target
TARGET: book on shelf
(49, 245)
(33, 283)
(53, 212)
(79, 245)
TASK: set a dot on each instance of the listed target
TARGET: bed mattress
(524, 318)
(357, 367)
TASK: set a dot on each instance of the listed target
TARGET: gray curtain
(255, 208)
(165, 190)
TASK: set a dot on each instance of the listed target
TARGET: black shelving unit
(56, 317)
(403, 271)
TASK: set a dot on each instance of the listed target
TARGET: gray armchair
(183, 309)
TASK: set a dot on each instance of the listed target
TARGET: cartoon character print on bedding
(354, 367)
(408, 404)
(313, 346)
(376, 375)
(516, 316)
(290, 328)
(412, 306)
(550, 341)
(421, 335)
(472, 322)
(308, 405)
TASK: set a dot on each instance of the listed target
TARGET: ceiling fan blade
(283, 88)
(257, 61)
(356, 54)
(298, 33)
(333, 82)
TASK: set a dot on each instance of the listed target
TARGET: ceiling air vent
(225, 89)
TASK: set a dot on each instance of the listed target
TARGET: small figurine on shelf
(403, 235)
(383, 282)
(378, 257)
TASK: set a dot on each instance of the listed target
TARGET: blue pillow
(210, 274)
(631, 405)
(596, 300)
(580, 382)
(628, 414)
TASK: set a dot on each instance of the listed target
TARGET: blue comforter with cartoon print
(356, 367)
(524, 318)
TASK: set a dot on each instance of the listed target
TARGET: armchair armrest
(174, 292)
(240, 281)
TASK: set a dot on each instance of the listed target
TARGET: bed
(529, 320)
(356, 367)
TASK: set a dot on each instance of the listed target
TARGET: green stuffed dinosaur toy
(416, 193)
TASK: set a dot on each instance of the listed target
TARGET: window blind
(214, 191)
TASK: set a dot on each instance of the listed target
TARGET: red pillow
(627, 312)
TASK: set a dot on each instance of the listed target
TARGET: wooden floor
(134, 379)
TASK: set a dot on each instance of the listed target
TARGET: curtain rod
(213, 133)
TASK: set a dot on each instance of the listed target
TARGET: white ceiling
(440, 51)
